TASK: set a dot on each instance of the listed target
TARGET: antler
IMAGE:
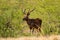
(28, 13)
(24, 11)
(31, 10)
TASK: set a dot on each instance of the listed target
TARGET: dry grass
(53, 37)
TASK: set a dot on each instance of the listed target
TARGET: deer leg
(32, 30)
(38, 27)
(39, 30)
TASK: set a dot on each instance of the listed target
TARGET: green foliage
(11, 15)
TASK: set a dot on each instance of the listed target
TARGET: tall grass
(11, 15)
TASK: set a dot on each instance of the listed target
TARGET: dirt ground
(53, 37)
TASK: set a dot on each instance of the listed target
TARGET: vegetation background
(11, 15)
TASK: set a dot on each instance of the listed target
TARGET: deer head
(26, 14)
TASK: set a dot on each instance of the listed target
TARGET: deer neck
(27, 18)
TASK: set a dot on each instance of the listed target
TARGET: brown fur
(33, 23)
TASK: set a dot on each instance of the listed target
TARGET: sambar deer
(32, 23)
